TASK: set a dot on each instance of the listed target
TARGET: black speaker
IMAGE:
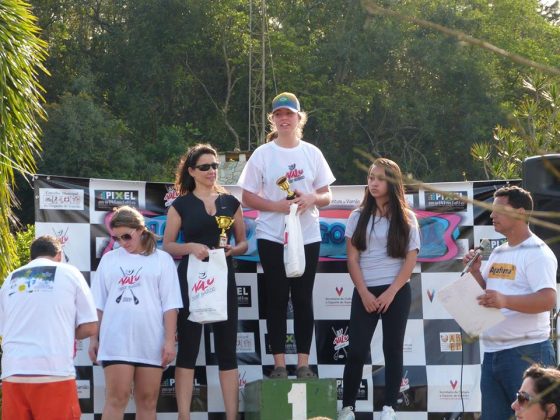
(541, 176)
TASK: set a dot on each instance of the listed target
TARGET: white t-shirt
(134, 291)
(378, 269)
(306, 170)
(519, 270)
(41, 304)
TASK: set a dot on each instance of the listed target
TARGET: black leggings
(361, 328)
(278, 289)
(225, 332)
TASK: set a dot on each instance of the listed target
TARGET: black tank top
(197, 225)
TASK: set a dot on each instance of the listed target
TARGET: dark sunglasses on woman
(126, 237)
(524, 398)
(206, 166)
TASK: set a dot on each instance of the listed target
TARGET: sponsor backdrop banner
(442, 365)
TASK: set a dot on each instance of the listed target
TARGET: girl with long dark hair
(382, 243)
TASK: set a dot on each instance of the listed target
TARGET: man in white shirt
(44, 307)
(520, 280)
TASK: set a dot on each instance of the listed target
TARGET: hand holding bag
(294, 251)
(208, 281)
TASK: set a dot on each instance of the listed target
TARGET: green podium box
(290, 399)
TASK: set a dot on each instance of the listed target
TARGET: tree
(83, 139)
(22, 55)
(534, 129)
(379, 83)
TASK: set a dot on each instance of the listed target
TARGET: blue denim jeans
(502, 375)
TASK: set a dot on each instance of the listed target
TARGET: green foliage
(21, 57)
(83, 139)
(162, 156)
(533, 130)
(167, 74)
(24, 238)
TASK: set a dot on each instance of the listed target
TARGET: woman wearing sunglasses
(136, 291)
(539, 396)
(194, 213)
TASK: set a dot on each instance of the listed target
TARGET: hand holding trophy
(224, 223)
(284, 185)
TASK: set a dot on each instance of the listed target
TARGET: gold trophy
(284, 185)
(224, 223)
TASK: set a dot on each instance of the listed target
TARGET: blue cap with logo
(286, 100)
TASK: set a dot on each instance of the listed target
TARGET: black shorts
(106, 363)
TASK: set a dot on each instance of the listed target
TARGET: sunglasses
(524, 398)
(126, 237)
(206, 166)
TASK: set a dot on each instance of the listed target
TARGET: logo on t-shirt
(33, 280)
(129, 280)
(502, 271)
(294, 174)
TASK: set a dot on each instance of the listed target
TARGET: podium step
(290, 399)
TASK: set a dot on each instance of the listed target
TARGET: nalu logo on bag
(208, 284)
(204, 284)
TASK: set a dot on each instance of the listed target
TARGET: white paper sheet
(459, 299)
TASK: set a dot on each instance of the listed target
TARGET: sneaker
(347, 413)
(305, 372)
(388, 413)
(279, 372)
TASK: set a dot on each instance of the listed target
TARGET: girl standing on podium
(382, 243)
(136, 291)
(194, 213)
(303, 166)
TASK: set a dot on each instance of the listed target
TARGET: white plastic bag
(208, 281)
(294, 251)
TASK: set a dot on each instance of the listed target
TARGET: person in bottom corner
(194, 213)
(538, 397)
(136, 290)
(519, 278)
(382, 243)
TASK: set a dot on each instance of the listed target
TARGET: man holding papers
(520, 280)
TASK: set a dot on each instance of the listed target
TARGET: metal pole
(250, 85)
(263, 75)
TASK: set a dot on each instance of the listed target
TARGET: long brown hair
(184, 182)
(126, 216)
(396, 210)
